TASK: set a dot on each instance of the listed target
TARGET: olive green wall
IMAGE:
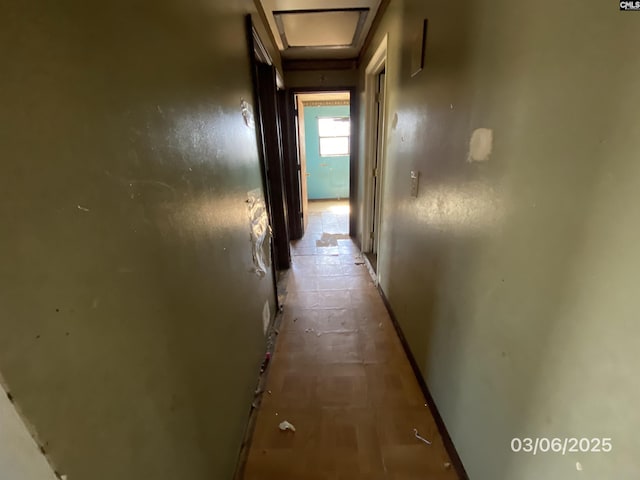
(515, 279)
(130, 322)
(320, 78)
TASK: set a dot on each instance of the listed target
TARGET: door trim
(375, 66)
(268, 117)
(354, 146)
(291, 164)
(302, 162)
(270, 149)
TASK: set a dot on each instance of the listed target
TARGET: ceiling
(320, 29)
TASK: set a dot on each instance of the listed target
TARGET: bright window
(334, 135)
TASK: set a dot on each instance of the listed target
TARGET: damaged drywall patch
(260, 231)
(480, 145)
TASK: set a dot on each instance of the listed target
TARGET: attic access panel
(325, 29)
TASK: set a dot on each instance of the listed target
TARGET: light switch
(415, 178)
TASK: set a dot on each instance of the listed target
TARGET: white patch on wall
(480, 145)
(266, 317)
(247, 113)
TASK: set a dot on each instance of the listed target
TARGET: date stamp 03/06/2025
(562, 446)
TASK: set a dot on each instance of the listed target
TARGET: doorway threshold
(372, 260)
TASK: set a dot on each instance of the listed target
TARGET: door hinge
(371, 236)
(377, 97)
(374, 172)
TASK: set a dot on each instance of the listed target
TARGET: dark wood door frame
(293, 179)
(269, 137)
(269, 120)
(291, 157)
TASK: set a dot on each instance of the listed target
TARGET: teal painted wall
(328, 176)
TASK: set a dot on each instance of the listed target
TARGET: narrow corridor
(340, 376)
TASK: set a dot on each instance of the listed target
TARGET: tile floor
(340, 376)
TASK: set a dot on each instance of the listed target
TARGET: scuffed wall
(130, 312)
(513, 272)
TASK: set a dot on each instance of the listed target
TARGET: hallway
(340, 376)
(154, 174)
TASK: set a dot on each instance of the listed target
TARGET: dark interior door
(287, 104)
(271, 136)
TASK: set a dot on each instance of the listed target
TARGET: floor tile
(339, 374)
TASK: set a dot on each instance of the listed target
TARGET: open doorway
(324, 143)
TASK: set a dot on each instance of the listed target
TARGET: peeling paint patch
(260, 231)
(247, 113)
(480, 145)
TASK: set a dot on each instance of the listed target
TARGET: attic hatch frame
(357, 35)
